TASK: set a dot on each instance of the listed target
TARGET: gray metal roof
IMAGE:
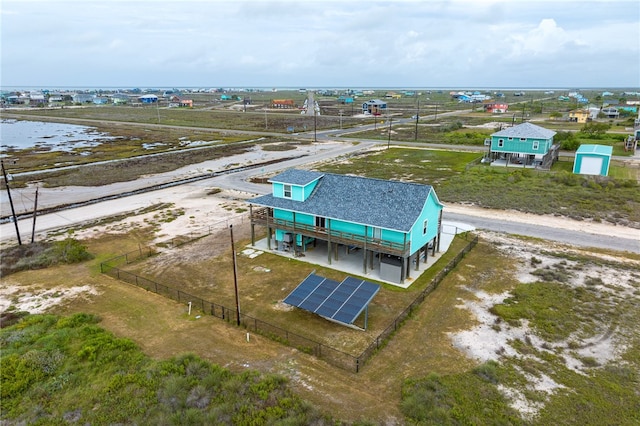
(296, 177)
(375, 102)
(373, 202)
(526, 130)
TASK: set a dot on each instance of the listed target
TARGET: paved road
(239, 181)
(49, 197)
(577, 238)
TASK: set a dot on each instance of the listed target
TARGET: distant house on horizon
(496, 107)
(119, 99)
(82, 98)
(610, 112)
(283, 103)
(579, 115)
(148, 99)
(374, 107)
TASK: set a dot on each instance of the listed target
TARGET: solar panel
(342, 302)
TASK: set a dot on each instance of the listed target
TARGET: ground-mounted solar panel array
(339, 301)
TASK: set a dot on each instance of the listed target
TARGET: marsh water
(43, 136)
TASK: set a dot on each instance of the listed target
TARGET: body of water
(22, 134)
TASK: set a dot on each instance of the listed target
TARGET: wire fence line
(327, 353)
(203, 231)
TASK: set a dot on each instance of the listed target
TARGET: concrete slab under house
(350, 260)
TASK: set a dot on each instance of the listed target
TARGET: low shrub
(42, 254)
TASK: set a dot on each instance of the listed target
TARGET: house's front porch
(351, 259)
(510, 163)
(509, 159)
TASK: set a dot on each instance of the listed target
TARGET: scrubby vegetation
(61, 370)
(458, 179)
(462, 399)
(42, 254)
(554, 371)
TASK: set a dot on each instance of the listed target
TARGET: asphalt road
(240, 181)
(576, 238)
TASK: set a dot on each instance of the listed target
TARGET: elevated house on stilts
(394, 224)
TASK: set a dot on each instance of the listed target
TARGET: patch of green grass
(606, 395)
(558, 192)
(43, 254)
(459, 399)
(564, 316)
(545, 304)
(57, 370)
(418, 165)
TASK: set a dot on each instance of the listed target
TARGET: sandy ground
(490, 340)
(194, 205)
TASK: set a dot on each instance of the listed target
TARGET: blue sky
(349, 43)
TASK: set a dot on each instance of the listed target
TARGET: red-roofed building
(496, 107)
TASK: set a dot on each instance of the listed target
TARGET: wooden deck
(264, 217)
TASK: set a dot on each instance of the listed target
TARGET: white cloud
(314, 43)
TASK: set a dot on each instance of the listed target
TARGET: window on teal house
(425, 227)
(500, 143)
(287, 191)
(535, 145)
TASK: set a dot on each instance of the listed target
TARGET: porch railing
(264, 217)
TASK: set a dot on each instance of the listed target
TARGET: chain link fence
(331, 355)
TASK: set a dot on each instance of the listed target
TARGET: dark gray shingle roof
(526, 130)
(374, 202)
(296, 177)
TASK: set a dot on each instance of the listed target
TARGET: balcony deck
(264, 217)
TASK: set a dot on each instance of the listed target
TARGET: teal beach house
(524, 145)
(393, 224)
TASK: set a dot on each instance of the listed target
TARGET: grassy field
(267, 279)
(397, 384)
(561, 333)
(614, 200)
(273, 120)
(48, 362)
(472, 130)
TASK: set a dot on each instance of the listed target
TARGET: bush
(487, 372)
(43, 254)
(567, 141)
(595, 130)
(47, 362)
